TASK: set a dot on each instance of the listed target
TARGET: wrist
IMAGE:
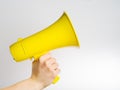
(37, 85)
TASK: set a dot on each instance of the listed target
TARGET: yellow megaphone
(59, 34)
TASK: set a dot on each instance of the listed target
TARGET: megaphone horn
(59, 34)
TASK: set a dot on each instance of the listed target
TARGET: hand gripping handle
(35, 57)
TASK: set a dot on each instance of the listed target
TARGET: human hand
(45, 70)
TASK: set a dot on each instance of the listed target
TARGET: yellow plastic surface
(59, 34)
(56, 80)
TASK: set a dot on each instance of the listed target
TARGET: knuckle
(52, 59)
(58, 71)
(49, 69)
(46, 56)
(41, 58)
(46, 63)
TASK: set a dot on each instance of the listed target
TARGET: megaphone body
(59, 34)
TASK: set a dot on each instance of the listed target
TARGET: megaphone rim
(64, 13)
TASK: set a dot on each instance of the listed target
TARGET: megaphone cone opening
(77, 40)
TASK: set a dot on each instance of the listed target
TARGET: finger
(50, 61)
(56, 72)
(54, 66)
(45, 57)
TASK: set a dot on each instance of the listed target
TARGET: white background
(95, 66)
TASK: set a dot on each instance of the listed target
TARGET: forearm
(44, 71)
(27, 84)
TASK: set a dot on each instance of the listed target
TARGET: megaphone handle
(56, 80)
(35, 57)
